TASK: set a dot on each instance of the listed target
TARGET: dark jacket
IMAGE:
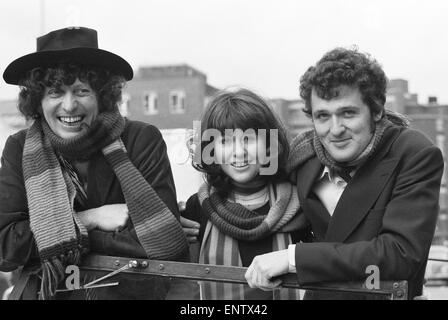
(147, 151)
(385, 217)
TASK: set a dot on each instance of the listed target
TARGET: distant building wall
(292, 115)
(168, 97)
(432, 120)
(11, 120)
(398, 96)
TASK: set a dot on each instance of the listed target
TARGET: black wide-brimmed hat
(74, 44)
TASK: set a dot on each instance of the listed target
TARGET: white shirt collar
(332, 177)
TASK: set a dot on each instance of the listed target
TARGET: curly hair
(107, 86)
(349, 67)
(242, 109)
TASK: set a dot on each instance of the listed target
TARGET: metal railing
(439, 280)
(394, 290)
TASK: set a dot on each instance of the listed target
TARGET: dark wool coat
(385, 217)
(146, 150)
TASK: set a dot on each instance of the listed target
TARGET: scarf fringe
(53, 273)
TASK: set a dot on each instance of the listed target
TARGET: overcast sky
(265, 45)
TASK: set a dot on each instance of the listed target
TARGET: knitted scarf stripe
(245, 219)
(105, 129)
(223, 253)
(241, 234)
(220, 249)
(306, 145)
(50, 198)
(240, 223)
(326, 159)
(157, 228)
(60, 236)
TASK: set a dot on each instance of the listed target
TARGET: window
(124, 105)
(150, 102)
(177, 101)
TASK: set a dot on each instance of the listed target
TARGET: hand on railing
(204, 272)
(190, 227)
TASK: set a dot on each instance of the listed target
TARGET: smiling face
(238, 154)
(343, 124)
(70, 109)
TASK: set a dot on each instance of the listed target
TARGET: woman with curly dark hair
(243, 210)
(82, 178)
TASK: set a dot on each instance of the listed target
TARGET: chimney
(432, 100)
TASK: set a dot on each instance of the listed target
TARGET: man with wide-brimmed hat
(82, 178)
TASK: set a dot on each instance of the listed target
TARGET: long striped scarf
(60, 236)
(220, 241)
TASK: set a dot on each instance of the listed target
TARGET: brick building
(167, 96)
(11, 120)
(290, 112)
(398, 96)
(430, 118)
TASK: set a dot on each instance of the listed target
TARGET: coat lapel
(307, 176)
(361, 193)
(313, 209)
(320, 217)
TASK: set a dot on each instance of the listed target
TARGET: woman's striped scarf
(60, 236)
(230, 222)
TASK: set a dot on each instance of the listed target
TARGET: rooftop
(179, 70)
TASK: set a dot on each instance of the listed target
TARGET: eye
(321, 116)
(349, 113)
(82, 92)
(54, 92)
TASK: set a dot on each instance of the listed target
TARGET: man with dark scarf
(368, 185)
(82, 178)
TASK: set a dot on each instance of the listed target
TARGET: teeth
(239, 164)
(71, 119)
